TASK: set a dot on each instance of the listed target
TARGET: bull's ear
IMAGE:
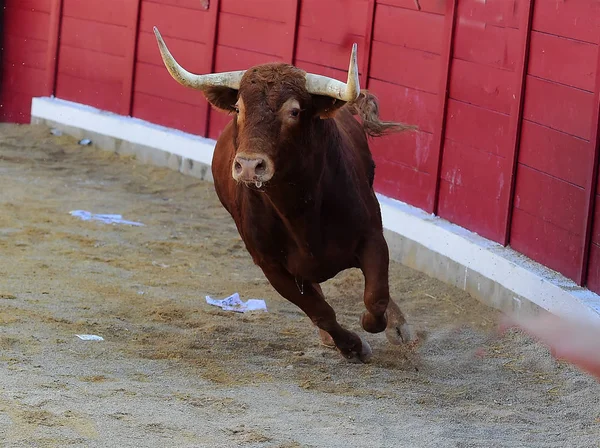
(326, 107)
(222, 98)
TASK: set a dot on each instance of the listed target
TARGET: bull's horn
(200, 82)
(322, 85)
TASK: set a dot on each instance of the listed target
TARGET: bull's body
(294, 170)
(314, 220)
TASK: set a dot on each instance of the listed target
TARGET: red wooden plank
(327, 54)
(477, 127)
(415, 188)
(468, 175)
(464, 207)
(29, 24)
(22, 51)
(230, 59)
(334, 21)
(490, 45)
(560, 155)
(501, 13)
(478, 171)
(411, 29)
(173, 114)
(545, 243)
(516, 112)
(434, 6)
(96, 36)
(30, 5)
(194, 56)
(86, 64)
(252, 34)
(397, 64)
(175, 22)
(15, 107)
(443, 97)
(23, 79)
(275, 10)
(54, 31)
(565, 61)
(560, 107)
(321, 70)
(187, 4)
(412, 150)
(106, 96)
(156, 81)
(593, 277)
(575, 19)
(550, 199)
(482, 85)
(115, 12)
(406, 105)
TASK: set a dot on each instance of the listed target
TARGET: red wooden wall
(505, 92)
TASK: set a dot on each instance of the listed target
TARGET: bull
(294, 170)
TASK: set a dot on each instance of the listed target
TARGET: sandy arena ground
(176, 372)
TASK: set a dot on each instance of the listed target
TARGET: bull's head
(274, 104)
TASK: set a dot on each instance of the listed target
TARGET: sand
(176, 372)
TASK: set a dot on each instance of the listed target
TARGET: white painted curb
(504, 266)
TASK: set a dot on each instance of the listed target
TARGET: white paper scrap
(107, 219)
(89, 337)
(234, 303)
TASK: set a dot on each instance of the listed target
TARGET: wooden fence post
(516, 113)
(53, 46)
(130, 62)
(440, 127)
(590, 184)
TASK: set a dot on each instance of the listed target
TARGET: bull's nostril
(238, 167)
(261, 168)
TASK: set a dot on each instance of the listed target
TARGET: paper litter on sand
(107, 219)
(234, 303)
(89, 337)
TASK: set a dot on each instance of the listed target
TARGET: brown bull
(294, 170)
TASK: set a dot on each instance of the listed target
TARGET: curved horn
(322, 85)
(199, 82)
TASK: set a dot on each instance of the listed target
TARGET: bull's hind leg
(310, 300)
(382, 313)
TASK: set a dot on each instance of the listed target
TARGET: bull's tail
(367, 107)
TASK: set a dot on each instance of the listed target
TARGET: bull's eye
(236, 108)
(295, 112)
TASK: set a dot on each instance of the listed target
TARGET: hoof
(399, 334)
(360, 356)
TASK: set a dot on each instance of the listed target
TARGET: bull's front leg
(382, 313)
(310, 299)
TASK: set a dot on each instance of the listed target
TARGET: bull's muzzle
(256, 169)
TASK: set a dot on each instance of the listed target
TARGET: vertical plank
(129, 63)
(440, 127)
(516, 113)
(366, 61)
(53, 47)
(214, 8)
(292, 23)
(591, 181)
